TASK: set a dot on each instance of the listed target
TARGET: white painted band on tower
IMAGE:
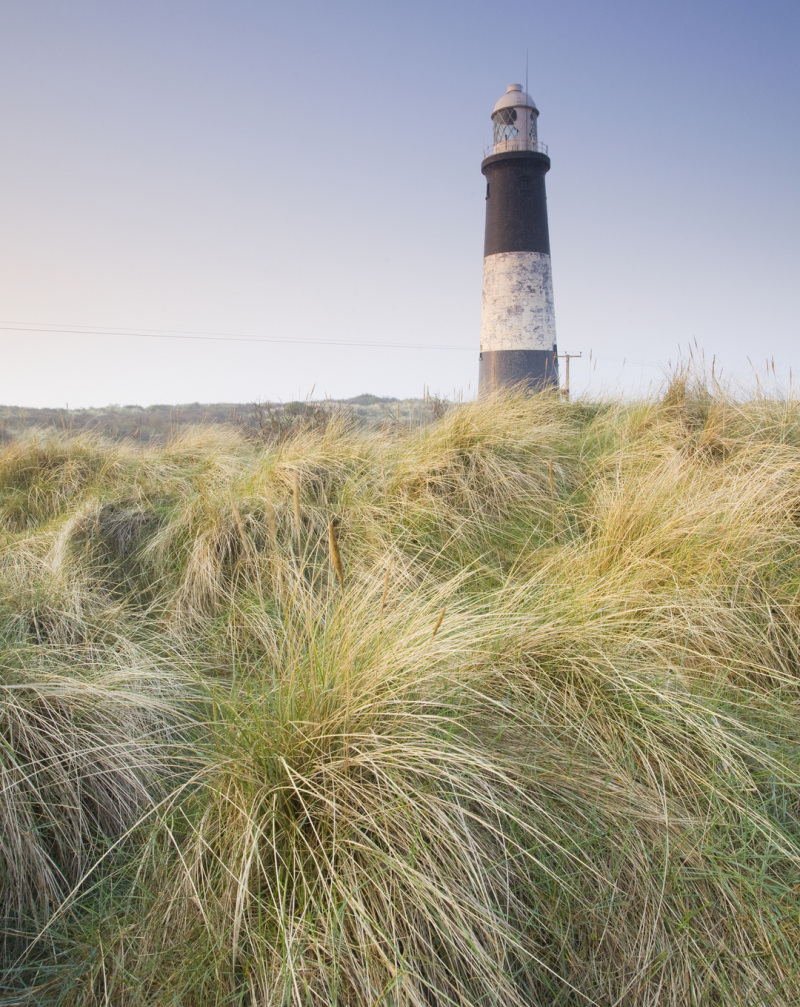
(518, 311)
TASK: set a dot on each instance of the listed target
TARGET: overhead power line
(223, 337)
(241, 337)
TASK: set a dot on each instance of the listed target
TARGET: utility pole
(567, 357)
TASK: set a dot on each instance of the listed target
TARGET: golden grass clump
(85, 754)
(355, 840)
(484, 458)
(42, 474)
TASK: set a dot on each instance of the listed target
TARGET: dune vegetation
(499, 709)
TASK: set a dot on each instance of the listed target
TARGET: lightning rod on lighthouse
(518, 328)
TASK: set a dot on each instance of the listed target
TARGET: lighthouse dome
(515, 97)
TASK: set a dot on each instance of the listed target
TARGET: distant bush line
(263, 420)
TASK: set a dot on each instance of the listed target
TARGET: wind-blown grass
(497, 710)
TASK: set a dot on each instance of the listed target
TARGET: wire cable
(225, 337)
(240, 337)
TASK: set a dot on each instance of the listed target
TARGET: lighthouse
(518, 326)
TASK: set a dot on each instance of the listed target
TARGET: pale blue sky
(310, 172)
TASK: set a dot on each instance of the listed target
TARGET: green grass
(501, 709)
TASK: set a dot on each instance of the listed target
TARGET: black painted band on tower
(537, 369)
(516, 202)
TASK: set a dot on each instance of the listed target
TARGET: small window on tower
(524, 183)
(487, 190)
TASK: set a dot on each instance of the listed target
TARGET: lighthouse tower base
(536, 370)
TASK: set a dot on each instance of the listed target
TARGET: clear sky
(308, 173)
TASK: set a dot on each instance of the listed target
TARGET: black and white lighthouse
(518, 326)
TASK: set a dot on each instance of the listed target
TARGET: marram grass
(499, 710)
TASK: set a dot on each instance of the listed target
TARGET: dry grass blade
(336, 558)
(385, 591)
(296, 504)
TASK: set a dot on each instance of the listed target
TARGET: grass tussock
(500, 709)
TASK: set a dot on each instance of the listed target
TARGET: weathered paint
(518, 311)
